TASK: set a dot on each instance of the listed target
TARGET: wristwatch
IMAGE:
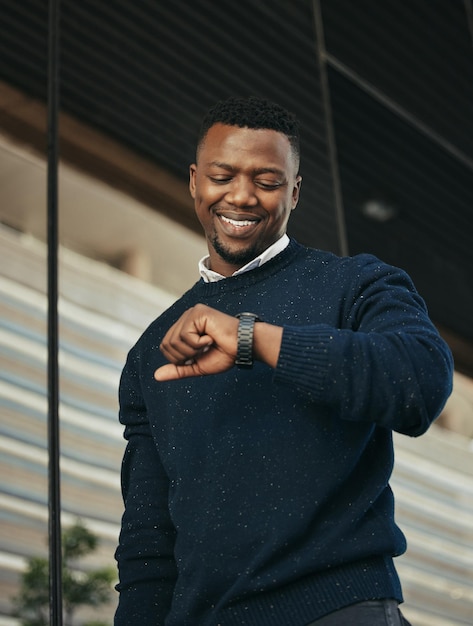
(245, 339)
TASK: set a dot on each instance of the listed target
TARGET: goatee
(238, 257)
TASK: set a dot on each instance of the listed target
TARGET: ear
(296, 191)
(192, 175)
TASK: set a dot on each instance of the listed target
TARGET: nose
(242, 192)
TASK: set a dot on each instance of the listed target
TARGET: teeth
(237, 222)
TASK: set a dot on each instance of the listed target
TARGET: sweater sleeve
(147, 571)
(385, 362)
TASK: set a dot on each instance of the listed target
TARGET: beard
(235, 257)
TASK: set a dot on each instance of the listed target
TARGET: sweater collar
(209, 276)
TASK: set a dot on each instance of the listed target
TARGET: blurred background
(384, 91)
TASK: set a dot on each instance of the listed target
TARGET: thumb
(174, 372)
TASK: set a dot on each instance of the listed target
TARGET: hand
(203, 341)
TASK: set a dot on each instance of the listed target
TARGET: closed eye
(267, 185)
(220, 179)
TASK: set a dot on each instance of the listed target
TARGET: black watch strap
(245, 339)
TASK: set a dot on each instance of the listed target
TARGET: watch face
(248, 314)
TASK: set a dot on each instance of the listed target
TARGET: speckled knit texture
(261, 497)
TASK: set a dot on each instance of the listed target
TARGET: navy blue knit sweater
(261, 497)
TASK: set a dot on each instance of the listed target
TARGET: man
(259, 410)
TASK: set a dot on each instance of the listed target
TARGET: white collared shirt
(210, 276)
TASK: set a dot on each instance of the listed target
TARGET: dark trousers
(369, 613)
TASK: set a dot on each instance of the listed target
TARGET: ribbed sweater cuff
(304, 359)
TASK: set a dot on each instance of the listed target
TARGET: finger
(180, 351)
(175, 372)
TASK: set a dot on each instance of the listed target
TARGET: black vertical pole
(330, 133)
(54, 495)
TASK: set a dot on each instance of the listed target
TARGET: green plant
(79, 587)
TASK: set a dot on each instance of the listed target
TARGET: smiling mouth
(238, 223)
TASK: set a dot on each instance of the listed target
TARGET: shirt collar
(209, 276)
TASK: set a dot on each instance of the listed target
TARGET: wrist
(245, 336)
(267, 340)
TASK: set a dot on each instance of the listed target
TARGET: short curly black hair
(253, 112)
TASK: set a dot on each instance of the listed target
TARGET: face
(244, 185)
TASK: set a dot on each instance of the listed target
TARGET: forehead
(230, 144)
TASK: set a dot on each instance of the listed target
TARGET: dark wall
(398, 100)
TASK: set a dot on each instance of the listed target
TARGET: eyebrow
(257, 171)
(225, 166)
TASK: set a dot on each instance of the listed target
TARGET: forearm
(145, 554)
(400, 381)
(147, 570)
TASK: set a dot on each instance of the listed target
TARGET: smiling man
(259, 410)
(245, 186)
